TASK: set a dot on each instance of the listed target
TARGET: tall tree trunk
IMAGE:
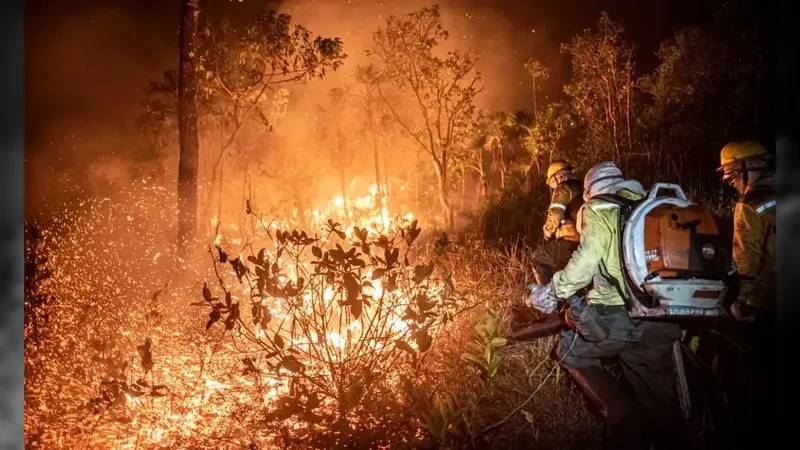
(216, 173)
(387, 192)
(187, 125)
(503, 168)
(242, 206)
(417, 176)
(463, 188)
(441, 176)
(338, 155)
(535, 108)
(628, 107)
(374, 145)
(340, 147)
(344, 194)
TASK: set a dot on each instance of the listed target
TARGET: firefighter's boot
(625, 427)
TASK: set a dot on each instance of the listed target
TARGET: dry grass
(556, 415)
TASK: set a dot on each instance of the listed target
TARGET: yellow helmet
(736, 152)
(555, 167)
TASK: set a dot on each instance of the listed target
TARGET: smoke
(87, 69)
(473, 26)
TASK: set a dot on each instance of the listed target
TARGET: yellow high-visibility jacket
(565, 201)
(754, 246)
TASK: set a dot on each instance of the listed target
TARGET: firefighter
(559, 230)
(747, 166)
(602, 328)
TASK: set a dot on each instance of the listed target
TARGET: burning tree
(537, 71)
(244, 74)
(505, 135)
(442, 88)
(243, 77)
(187, 125)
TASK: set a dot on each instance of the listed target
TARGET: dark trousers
(552, 257)
(758, 419)
(646, 408)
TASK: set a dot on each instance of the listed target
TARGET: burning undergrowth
(282, 338)
(352, 334)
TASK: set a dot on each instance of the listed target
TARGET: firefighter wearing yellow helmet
(747, 167)
(560, 223)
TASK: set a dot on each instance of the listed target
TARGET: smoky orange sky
(87, 62)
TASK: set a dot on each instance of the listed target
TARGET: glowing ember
(125, 363)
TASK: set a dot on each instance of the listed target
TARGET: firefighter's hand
(548, 230)
(542, 298)
(740, 315)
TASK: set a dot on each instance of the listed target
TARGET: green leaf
(498, 341)
(470, 358)
(528, 416)
(488, 352)
(493, 365)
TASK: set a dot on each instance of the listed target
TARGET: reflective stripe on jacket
(562, 212)
(754, 246)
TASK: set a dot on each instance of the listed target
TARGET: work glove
(738, 311)
(542, 298)
(547, 234)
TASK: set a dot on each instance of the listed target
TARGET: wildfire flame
(196, 383)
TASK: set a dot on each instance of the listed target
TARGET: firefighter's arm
(748, 240)
(556, 211)
(585, 261)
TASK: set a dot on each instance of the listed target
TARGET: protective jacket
(597, 259)
(754, 236)
(562, 214)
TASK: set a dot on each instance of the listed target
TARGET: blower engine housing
(674, 257)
